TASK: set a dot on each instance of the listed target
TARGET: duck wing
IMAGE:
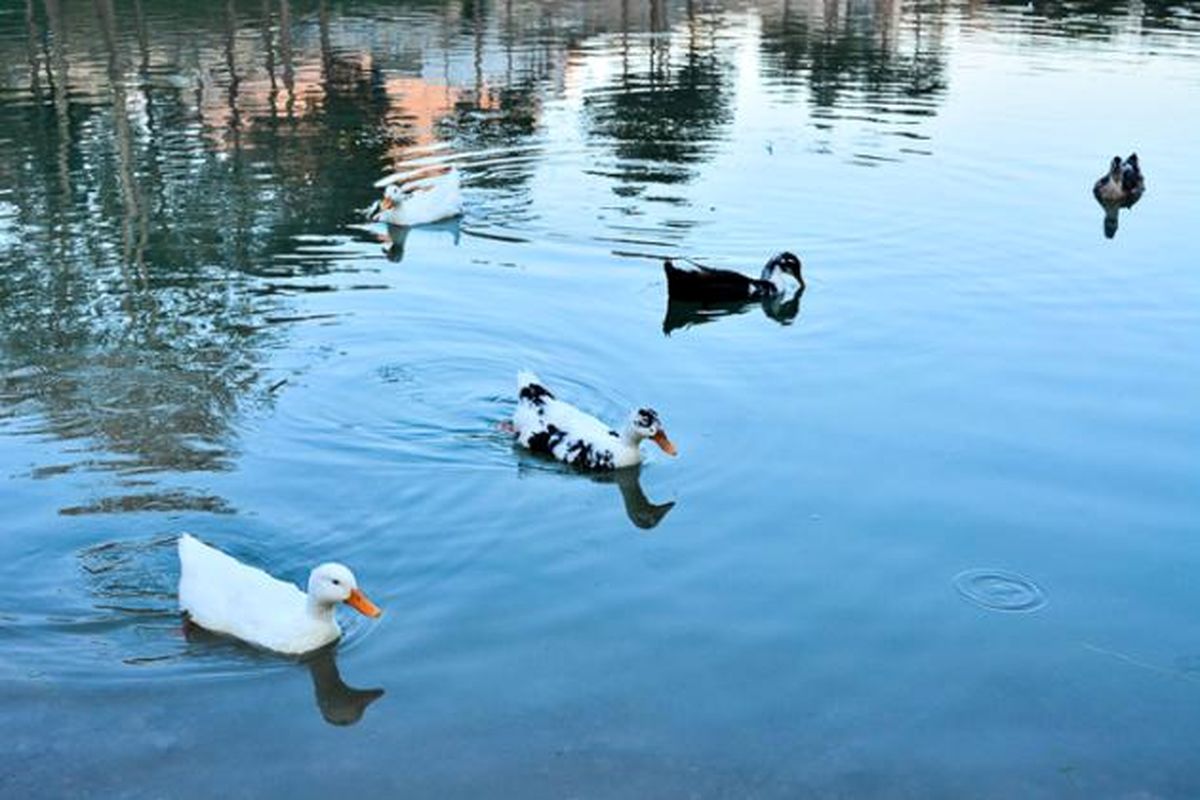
(698, 283)
(547, 425)
(222, 594)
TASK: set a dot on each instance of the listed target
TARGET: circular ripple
(998, 590)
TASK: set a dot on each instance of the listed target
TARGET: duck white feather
(420, 202)
(544, 424)
(222, 594)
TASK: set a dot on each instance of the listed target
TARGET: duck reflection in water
(1121, 187)
(338, 703)
(697, 294)
(395, 237)
(642, 512)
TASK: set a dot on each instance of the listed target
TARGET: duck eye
(336, 582)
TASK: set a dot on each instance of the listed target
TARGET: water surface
(981, 404)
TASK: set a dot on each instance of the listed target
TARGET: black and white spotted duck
(1122, 184)
(696, 283)
(544, 424)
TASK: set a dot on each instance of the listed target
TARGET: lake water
(934, 536)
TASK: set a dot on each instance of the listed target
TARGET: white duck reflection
(395, 237)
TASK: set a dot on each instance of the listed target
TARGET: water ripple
(999, 590)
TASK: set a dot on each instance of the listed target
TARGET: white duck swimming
(545, 424)
(222, 594)
(418, 202)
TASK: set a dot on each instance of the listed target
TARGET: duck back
(223, 595)
(699, 284)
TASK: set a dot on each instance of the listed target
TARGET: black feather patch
(705, 284)
(545, 441)
(535, 393)
(582, 455)
(647, 417)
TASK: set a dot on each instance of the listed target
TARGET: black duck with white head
(698, 294)
(697, 283)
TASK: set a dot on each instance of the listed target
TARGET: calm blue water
(936, 536)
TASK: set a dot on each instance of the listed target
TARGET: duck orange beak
(359, 602)
(386, 203)
(662, 441)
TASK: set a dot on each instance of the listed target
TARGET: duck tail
(679, 279)
(530, 388)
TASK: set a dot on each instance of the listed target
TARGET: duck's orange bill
(662, 441)
(386, 203)
(359, 602)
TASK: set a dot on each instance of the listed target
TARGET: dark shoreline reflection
(886, 59)
(662, 113)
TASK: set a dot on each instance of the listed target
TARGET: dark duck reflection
(1119, 188)
(697, 294)
(339, 704)
(641, 511)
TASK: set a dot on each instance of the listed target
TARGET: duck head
(1114, 168)
(645, 424)
(783, 264)
(1131, 177)
(393, 198)
(330, 584)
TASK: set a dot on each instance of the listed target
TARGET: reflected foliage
(669, 101)
(1105, 18)
(883, 55)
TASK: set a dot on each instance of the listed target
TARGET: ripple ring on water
(998, 590)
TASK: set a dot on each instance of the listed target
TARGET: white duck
(545, 424)
(222, 594)
(418, 202)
